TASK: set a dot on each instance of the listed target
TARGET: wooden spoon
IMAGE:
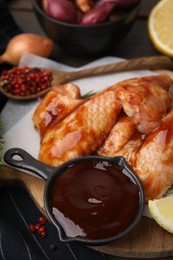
(62, 77)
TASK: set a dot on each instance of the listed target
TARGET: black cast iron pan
(21, 159)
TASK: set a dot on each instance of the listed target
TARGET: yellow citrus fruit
(162, 211)
(160, 27)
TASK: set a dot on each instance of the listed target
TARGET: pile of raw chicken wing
(133, 118)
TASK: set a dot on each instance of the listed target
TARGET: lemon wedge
(160, 26)
(162, 211)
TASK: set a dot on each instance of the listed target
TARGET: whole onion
(26, 43)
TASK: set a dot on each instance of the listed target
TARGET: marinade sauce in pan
(94, 199)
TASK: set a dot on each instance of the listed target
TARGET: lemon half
(162, 211)
(160, 27)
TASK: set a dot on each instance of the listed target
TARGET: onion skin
(85, 12)
(98, 14)
(103, 9)
(62, 10)
(26, 43)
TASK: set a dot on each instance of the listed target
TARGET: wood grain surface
(148, 240)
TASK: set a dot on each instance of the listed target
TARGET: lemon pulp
(162, 211)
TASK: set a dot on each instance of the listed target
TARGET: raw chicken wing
(56, 105)
(145, 100)
(150, 157)
(81, 132)
(154, 160)
(123, 140)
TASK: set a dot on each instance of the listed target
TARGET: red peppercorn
(25, 79)
(43, 234)
(32, 228)
(37, 226)
(42, 220)
(41, 229)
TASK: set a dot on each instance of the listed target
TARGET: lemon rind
(153, 36)
(155, 213)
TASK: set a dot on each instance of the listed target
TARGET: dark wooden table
(136, 43)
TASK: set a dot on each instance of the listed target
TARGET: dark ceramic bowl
(94, 200)
(82, 39)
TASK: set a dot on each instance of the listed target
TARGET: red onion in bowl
(62, 10)
(98, 14)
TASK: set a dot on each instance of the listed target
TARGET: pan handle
(19, 158)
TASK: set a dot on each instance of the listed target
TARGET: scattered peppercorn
(52, 247)
(43, 234)
(39, 227)
(32, 228)
(42, 220)
(25, 81)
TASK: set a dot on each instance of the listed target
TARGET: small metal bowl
(108, 182)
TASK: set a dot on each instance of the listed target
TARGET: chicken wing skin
(150, 156)
(145, 100)
(81, 132)
(154, 160)
(123, 140)
(56, 105)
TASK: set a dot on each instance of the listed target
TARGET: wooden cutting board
(148, 240)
